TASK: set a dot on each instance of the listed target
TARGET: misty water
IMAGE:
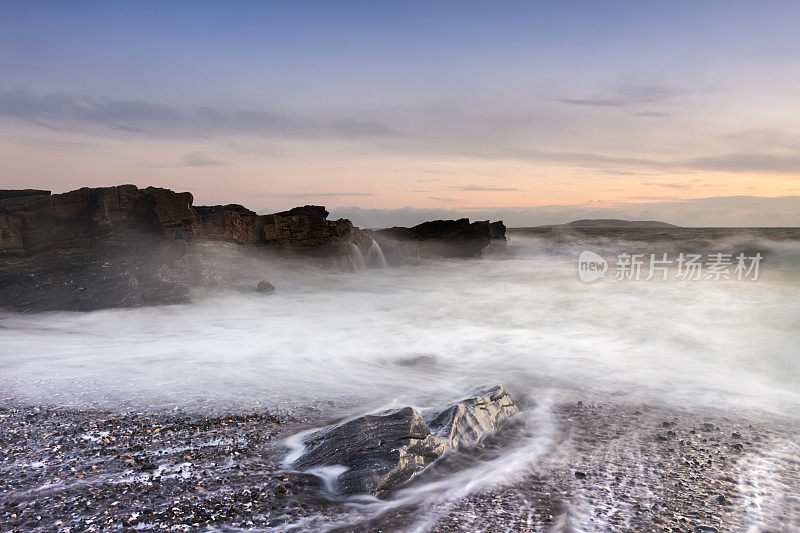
(424, 333)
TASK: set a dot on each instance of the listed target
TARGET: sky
(390, 112)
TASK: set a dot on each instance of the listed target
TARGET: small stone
(705, 529)
(580, 475)
(265, 287)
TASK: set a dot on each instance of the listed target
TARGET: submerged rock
(265, 287)
(383, 450)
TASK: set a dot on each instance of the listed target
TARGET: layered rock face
(85, 218)
(124, 246)
(381, 451)
(302, 227)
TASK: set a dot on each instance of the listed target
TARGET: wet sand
(610, 467)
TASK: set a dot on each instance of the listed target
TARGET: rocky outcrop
(497, 236)
(300, 228)
(92, 218)
(122, 246)
(384, 450)
(439, 238)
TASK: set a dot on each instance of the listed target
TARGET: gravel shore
(610, 467)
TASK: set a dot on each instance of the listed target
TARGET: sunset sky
(543, 111)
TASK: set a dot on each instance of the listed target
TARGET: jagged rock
(265, 287)
(497, 231)
(383, 450)
(301, 228)
(304, 228)
(310, 211)
(229, 223)
(468, 421)
(438, 238)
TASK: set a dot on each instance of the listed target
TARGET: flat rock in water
(383, 450)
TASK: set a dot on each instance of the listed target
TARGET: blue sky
(380, 105)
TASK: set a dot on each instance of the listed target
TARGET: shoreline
(631, 468)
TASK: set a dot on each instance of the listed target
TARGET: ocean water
(424, 334)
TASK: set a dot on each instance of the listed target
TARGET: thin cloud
(199, 160)
(749, 162)
(326, 195)
(620, 172)
(626, 96)
(683, 186)
(654, 198)
(743, 162)
(652, 114)
(50, 144)
(77, 112)
(480, 188)
(444, 130)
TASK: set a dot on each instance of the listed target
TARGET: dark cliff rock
(91, 218)
(121, 246)
(233, 223)
(301, 228)
(95, 248)
(439, 238)
(384, 450)
(497, 231)
(16, 193)
(497, 234)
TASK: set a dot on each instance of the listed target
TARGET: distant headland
(611, 223)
